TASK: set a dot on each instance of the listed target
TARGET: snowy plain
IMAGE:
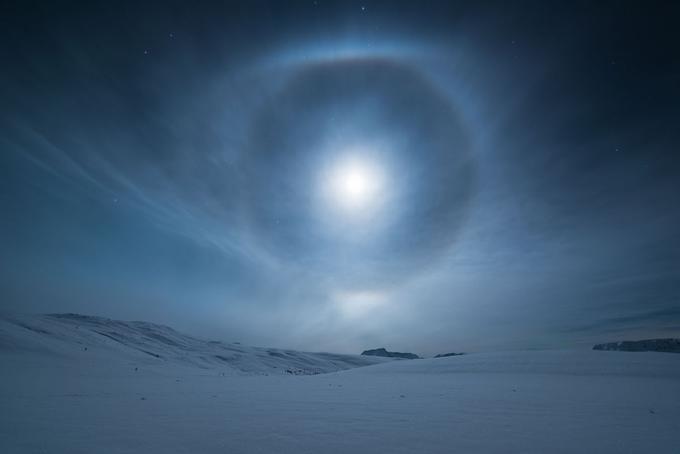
(73, 384)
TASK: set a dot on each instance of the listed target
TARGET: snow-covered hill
(88, 339)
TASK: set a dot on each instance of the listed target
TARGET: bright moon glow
(355, 185)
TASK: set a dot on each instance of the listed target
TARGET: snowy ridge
(97, 339)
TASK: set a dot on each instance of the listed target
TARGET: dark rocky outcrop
(647, 345)
(444, 355)
(385, 353)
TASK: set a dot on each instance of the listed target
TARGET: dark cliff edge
(647, 345)
(385, 353)
(445, 355)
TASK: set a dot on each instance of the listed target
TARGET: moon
(355, 186)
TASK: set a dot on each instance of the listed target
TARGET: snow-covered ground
(57, 397)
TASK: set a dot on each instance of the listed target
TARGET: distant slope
(91, 339)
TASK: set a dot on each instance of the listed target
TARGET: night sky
(332, 176)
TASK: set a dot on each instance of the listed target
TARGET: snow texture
(119, 397)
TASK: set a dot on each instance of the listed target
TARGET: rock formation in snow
(648, 345)
(386, 354)
(444, 355)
